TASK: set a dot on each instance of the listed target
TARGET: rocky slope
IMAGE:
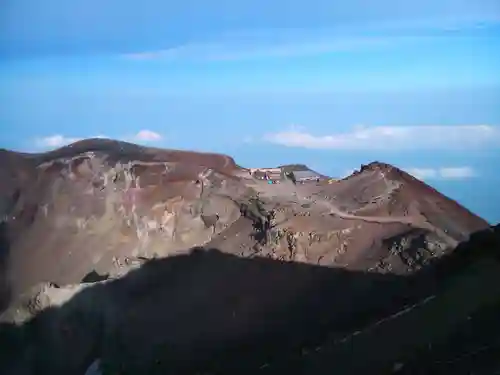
(96, 239)
(93, 204)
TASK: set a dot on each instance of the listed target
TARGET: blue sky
(332, 86)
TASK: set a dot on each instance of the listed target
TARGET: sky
(330, 85)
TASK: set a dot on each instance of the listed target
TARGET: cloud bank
(429, 174)
(444, 173)
(58, 140)
(392, 138)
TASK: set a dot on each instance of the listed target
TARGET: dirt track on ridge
(286, 191)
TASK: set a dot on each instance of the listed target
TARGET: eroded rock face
(90, 209)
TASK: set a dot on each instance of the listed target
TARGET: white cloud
(283, 42)
(53, 141)
(422, 173)
(142, 136)
(234, 50)
(58, 140)
(347, 173)
(457, 172)
(444, 173)
(393, 138)
(147, 136)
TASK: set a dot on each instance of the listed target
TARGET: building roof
(305, 174)
(270, 170)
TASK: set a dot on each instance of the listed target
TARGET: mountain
(97, 238)
(287, 168)
(98, 201)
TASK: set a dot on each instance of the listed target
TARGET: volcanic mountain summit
(83, 225)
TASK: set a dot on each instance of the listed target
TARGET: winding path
(286, 189)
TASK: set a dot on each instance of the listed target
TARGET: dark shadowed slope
(210, 312)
